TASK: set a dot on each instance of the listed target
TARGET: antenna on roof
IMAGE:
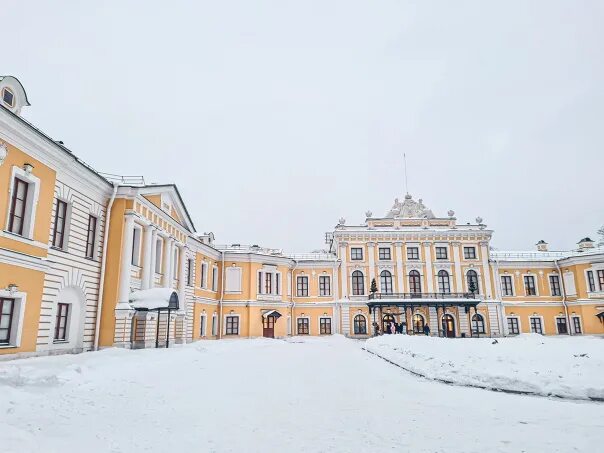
(406, 179)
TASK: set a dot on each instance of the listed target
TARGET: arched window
(386, 282)
(358, 283)
(444, 285)
(415, 282)
(360, 325)
(478, 323)
(472, 278)
(418, 323)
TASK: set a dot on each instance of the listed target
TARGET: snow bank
(151, 298)
(567, 367)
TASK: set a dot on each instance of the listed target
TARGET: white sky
(275, 118)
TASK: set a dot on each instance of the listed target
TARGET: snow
(151, 298)
(299, 394)
(567, 367)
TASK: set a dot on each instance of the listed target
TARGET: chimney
(585, 243)
(542, 246)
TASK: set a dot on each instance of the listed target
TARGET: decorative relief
(409, 209)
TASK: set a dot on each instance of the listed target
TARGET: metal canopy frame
(173, 304)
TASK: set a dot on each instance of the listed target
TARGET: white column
(167, 264)
(344, 258)
(486, 270)
(371, 261)
(335, 282)
(182, 256)
(126, 261)
(400, 272)
(429, 270)
(147, 246)
(457, 263)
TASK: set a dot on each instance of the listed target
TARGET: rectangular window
(16, 219)
(325, 326)
(91, 236)
(214, 325)
(601, 279)
(384, 253)
(268, 283)
(61, 322)
(469, 253)
(324, 285)
(136, 246)
(7, 307)
(58, 236)
(356, 254)
(441, 253)
(554, 284)
(202, 326)
(158, 255)
(590, 281)
(536, 326)
(204, 275)
(214, 279)
(577, 324)
(232, 325)
(513, 327)
(8, 97)
(529, 285)
(412, 253)
(302, 286)
(303, 326)
(277, 283)
(507, 287)
(189, 272)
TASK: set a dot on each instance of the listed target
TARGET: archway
(448, 325)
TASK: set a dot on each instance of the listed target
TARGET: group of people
(393, 327)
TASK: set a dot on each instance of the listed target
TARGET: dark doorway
(448, 326)
(561, 323)
(269, 327)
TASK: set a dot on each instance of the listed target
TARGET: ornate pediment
(409, 209)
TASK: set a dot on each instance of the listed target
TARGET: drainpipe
(292, 321)
(502, 320)
(568, 329)
(99, 304)
(221, 298)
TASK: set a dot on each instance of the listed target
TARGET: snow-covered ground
(303, 394)
(568, 367)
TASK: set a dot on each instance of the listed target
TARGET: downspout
(502, 320)
(221, 298)
(568, 329)
(99, 304)
(293, 303)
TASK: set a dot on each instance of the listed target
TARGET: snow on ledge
(565, 367)
(151, 299)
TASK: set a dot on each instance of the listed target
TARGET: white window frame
(573, 317)
(203, 319)
(549, 283)
(309, 325)
(214, 324)
(159, 255)
(519, 322)
(330, 325)
(536, 280)
(18, 317)
(224, 326)
(568, 327)
(542, 324)
(204, 275)
(214, 278)
(137, 240)
(233, 276)
(33, 194)
(513, 285)
(319, 284)
(307, 286)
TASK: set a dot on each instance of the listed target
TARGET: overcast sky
(275, 118)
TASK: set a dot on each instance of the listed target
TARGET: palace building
(90, 260)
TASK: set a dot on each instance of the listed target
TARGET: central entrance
(268, 330)
(448, 326)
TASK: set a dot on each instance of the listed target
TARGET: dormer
(12, 94)
(542, 246)
(586, 243)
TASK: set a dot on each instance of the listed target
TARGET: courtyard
(299, 394)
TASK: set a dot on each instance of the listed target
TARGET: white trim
(517, 318)
(501, 285)
(556, 323)
(549, 284)
(203, 321)
(330, 277)
(367, 329)
(224, 325)
(31, 206)
(331, 325)
(572, 326)
(542, 324)
(309, 325)
(457, 329)
(365, 289)
(536, 281)
(307, 277)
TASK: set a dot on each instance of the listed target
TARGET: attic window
(8, 97)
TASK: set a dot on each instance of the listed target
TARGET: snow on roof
(154, 298)
(542, 256)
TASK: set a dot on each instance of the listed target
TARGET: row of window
(385, 253)
(8, 324)
(591, 283)
(530, 287)
(415, 282)
(18, 213)
(302, 285)
(536, 324)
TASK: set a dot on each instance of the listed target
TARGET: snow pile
(151, 298)
(567, 367)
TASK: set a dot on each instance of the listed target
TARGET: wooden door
(449, 326)
(269, 327)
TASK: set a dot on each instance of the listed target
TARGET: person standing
(426, 330)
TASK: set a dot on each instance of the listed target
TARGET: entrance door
(449, 326)
(269, 327)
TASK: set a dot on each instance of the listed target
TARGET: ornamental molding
(415, 266)
(409, 209)
(388, 267)
(445, 266)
